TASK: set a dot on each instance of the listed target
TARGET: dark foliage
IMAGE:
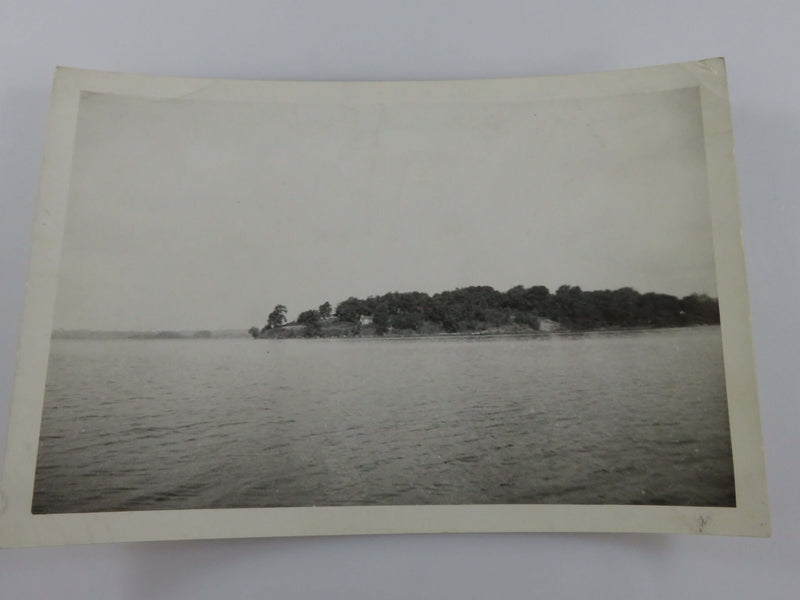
(277, 318)
(351, 310)
(481, 308)
(308, 317)
(311, 319)
(325, 310)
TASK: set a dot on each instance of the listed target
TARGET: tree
(325, 310)
(277, 317)
(536, 298)
(380, 318)
(515, 298)
(350, 310)
(622, 307)
(308, 317)
(254, 331)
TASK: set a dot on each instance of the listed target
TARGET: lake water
(601, 418)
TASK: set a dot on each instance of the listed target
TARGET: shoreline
(488, 335)
(298, 334)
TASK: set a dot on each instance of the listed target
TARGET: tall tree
(325, 310)
(277, 317)
(350, 310)
(310, 318)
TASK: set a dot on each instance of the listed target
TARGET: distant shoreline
(90, 334)
(562, 332)
(183, 336)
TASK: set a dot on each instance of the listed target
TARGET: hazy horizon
(199, 215)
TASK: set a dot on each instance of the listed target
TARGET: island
(482, 310)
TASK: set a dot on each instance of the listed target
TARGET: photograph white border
(19, 527)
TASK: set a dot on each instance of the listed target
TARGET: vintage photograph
(509, 305)
(310, 304)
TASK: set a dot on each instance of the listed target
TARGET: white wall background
(425, 39)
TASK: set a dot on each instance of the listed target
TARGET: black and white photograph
(400, 295)
(390, 303)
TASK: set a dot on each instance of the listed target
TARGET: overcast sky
(189, 214)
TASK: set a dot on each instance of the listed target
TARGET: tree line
(477, 308)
